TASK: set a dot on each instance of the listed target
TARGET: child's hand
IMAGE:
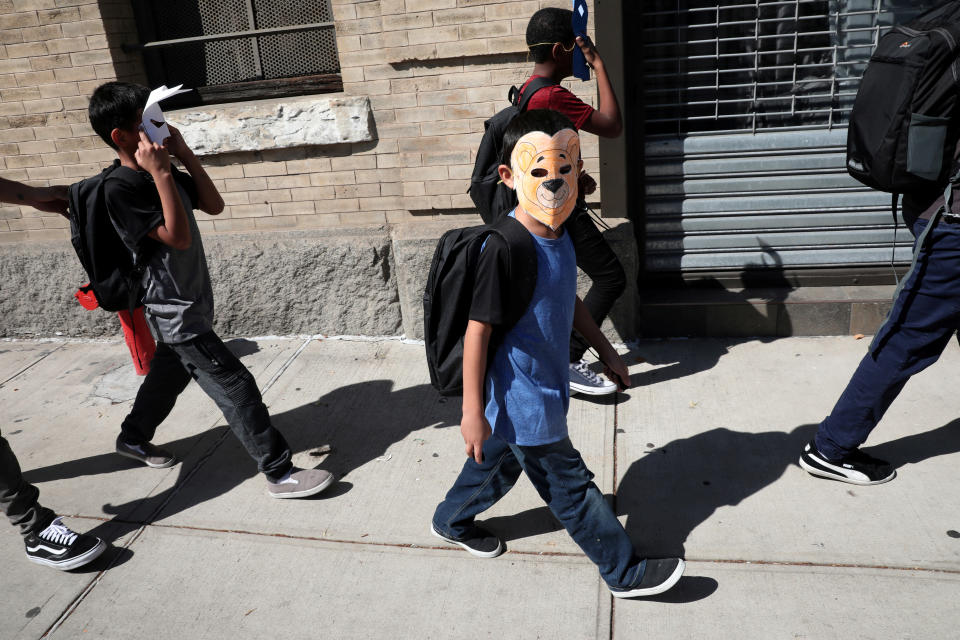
(617, 372)
(151, 157)
(475, 429)
(590, 53)
(175, 143)
(587, 184)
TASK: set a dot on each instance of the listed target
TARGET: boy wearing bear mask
(515, 406)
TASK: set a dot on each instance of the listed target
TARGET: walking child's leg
(875, 385)
(563, 481)
(477, 488)
(156, 397)
(19, 498)
(924, 316)
(228, 383)
(596, 259)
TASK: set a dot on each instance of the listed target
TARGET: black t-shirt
(134, 203)
(491, 286)
(178, 296)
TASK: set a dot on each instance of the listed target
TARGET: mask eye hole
(539, 173)
(565, 169)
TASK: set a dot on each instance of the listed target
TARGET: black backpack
(491, 197)
(115, 279)
(903, 127)
(449, 293)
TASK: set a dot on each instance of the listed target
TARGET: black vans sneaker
(856, 467)
(659, 574)
(59, 547)
(479, 542)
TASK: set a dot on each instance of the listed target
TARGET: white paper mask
(154, 124)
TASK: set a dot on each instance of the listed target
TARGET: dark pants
(563, 481)
(228, 383)
(596, 259)
(18, 498)
(925, 315)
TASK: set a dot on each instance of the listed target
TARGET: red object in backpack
(135, 331)
(141, 344)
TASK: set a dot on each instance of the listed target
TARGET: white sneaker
(583, 380)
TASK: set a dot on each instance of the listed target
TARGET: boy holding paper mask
(151, 205)
(515, 406)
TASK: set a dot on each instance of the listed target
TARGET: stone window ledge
(275, 124)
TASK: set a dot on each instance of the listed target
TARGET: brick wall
(53, 53)
(434, 70)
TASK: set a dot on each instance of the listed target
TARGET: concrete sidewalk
(700, 458)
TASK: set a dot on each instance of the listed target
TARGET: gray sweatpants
(18, 498)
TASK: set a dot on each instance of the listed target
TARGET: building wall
(433, 70)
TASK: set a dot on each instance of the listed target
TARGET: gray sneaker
(148, 454)
(301, 483)
(583, 380)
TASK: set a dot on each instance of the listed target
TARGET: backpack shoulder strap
(521, 98)
(523, 262)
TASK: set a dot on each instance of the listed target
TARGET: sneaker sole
(312, 491)
(473, 552)
(165, 465)
(816, 468)
(652, 591)
(72, 563)
(591, 391)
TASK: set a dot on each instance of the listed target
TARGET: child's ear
(119, 137)
(506, 175)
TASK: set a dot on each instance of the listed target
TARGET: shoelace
(582, 369)
(58, 533)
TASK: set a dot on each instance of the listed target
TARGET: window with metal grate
(233, 50)
(745, 66)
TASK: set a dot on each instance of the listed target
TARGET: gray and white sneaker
(148, 454)
(300, 483)
(583, 380)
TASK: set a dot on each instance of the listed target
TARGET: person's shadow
(351, 425)
(674, 488)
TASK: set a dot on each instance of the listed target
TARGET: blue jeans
(228, 383)
(563, 481)
(924, 317)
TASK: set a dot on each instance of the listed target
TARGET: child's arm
(473, 424)
(613, 365)
(207, 194)
(154, 159)
(606, 120)
(50, 199)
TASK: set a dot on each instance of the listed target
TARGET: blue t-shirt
(527, 384)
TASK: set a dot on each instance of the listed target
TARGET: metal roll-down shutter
(745, 107)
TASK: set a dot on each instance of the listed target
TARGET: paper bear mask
(545, 172)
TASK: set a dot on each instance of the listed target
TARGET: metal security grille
(746, 106)
(207, 43)
(747, 66)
